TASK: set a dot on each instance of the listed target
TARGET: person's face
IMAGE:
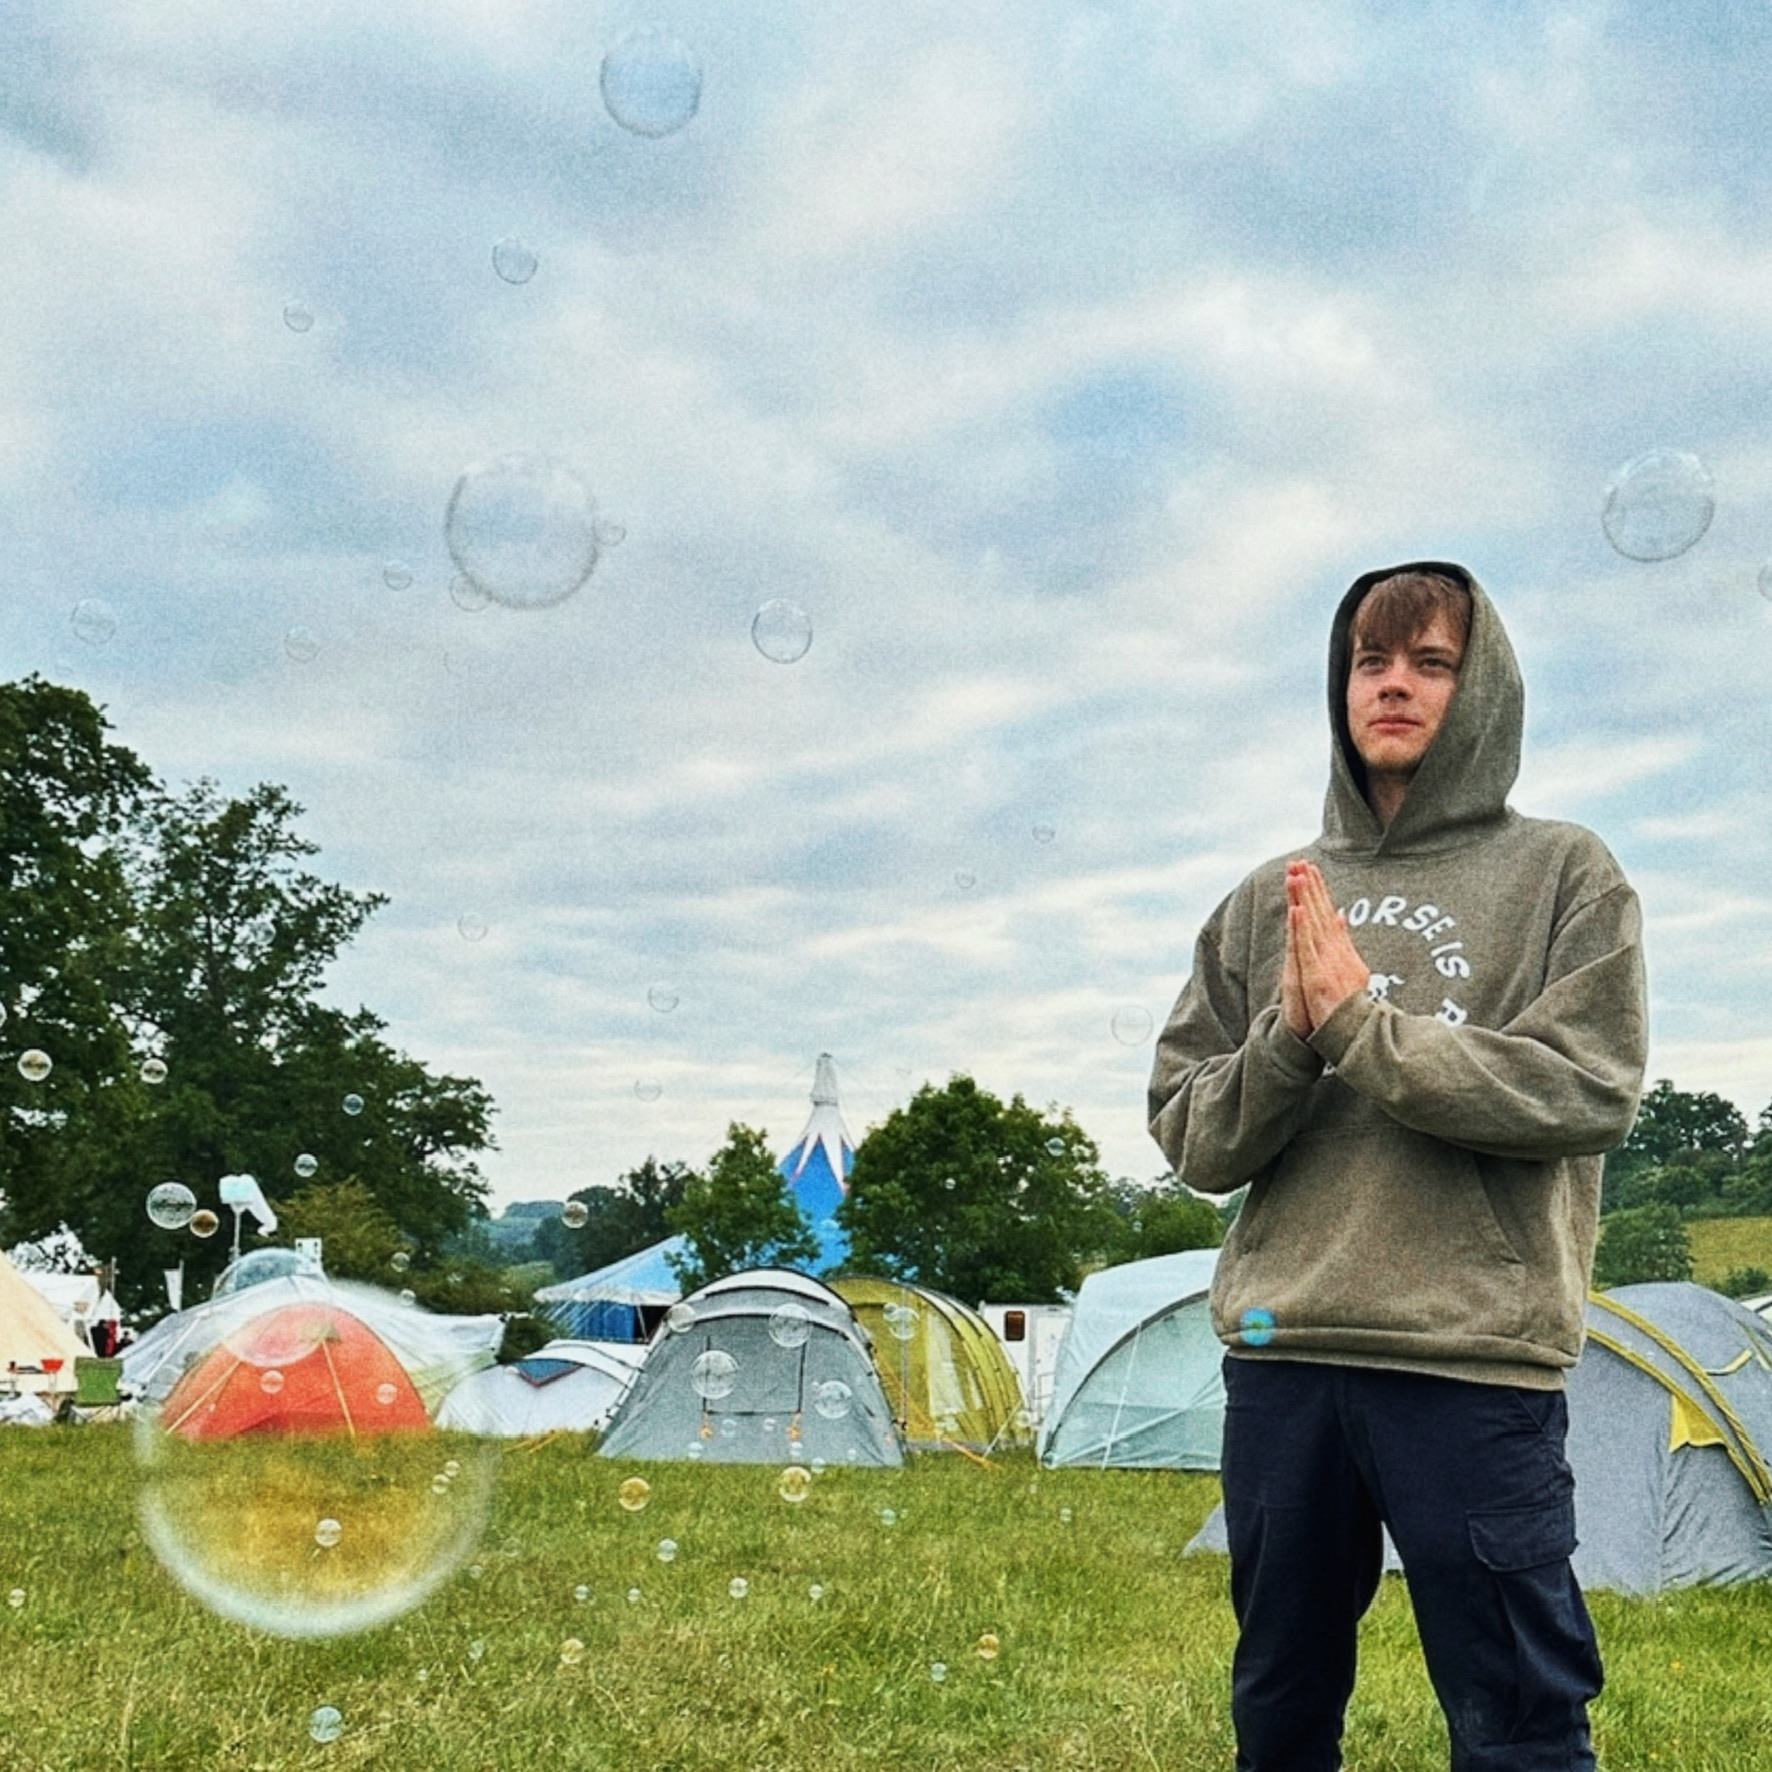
(1396, 700)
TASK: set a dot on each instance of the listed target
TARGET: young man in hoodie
(1412, 1042)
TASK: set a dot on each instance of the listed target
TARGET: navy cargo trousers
(1480, 1502)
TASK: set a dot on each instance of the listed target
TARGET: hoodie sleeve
(1227, 1091)
(1561, 1078)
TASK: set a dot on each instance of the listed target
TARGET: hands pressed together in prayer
(1323, 967)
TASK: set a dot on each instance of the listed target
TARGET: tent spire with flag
(817, 1169)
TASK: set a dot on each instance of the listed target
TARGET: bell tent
(37, 1349)
(762, 1367)
(1140, 1381)
(625, 1301)
(817, 1169)
(946, 1378)
(565, 1387)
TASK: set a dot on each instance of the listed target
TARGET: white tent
(1140, 1373)
(37, 1349)
(565, 1387)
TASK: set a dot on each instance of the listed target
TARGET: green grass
(1721, 1245)
(1114, 1649)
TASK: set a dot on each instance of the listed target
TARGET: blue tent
(817, 1169)
(621, 1302)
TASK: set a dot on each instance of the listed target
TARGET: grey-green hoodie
(1424, 1170)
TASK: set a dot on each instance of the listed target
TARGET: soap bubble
(204, 1223)
(514, 261)
(609, 533)
(832, 1399)
(581, 1594)
(1257, 1326)
(662, 997)
(781, 631)
(714, 1374)
(1044, 833)
(16, 1599)
(575, 1215)
(901, 1320)
(651, 82)
(302, 644)
(522, 528)
(648, 1089)
(572, 1652)
(938, 1671)
(634, 1494)
(1065, 1516)
(306, 1165)
(387, 1394)
(400, 1260)
(1765, 581)
(988, 1646)
(667, 1550)
(950, 1184)
(634, 1596)
(1131, 1025)
(397, 575)
(738, 1587)
(789, 1325)
(326, 1724)
(153, 1071)
(465, 594)
(1658, 505)
(680, 1318)
(352, 1105)
(262, 1441)
(794, 1484)
(170, 1205)
(888, 1516)
(298, 316)
(815, 1591)
(477, 1649)
(471, 927)
(93, 620)
(1055, 1147)
(965, 879)
(34, 1065)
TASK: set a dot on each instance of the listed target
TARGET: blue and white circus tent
(817, 1169)
(625, 1300)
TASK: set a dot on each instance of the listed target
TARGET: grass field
(1111, 1650)
(1722, 1245)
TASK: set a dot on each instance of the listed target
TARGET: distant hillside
(1720, 1245)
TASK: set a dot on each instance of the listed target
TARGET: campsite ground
(1111, 1649)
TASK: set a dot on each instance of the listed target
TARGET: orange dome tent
(308, 1368)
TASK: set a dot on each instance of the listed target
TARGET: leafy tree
(1642, 1243)
(1745, 1282)
(985, 1201)
(624, 1219)
(1166, 1223)
(738, 1215)
(358, 1239)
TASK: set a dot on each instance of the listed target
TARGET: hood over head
(1462, 784)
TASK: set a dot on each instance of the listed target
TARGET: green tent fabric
(946, 1377)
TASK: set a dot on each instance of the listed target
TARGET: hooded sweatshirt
(1424, 1169)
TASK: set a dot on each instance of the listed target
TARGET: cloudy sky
(1061, 363)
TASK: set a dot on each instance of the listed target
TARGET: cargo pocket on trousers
(1524, 1537)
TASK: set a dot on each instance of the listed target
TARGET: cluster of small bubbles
(1131, 1025)
(572, 1652)
(651, 82)
(1055, 1147)
(326, 1724)
(153, 1072)
(352, 1105)
(634, 1494)
(901, 1320)
(831, 1398)
(34, 1064)
(609, 533)
(888, 1516)
(464, 593)
(667, 1550)
(93, 620)
(452, 1470)
(306, 1164)
(938, 1671)
(581, 1593)
(1257, 1326)
(270, 1381)
(714, 1374)
(170, 1205)
(328, 1533)
(794, 1484)
(816, 1591)
(575, 1215)
(680, 1318)
(789, 1325)
(471, 926)
(298, 316)
(302, 644)
(204, 1223)
(781, 631)
(514, 261)
(1044, 833)
(1658, 505)
(648, 1089)
(397, 575)
(16, 1598)
(522, 528)
(988, 1646)
(400, 1260)
(662, 997)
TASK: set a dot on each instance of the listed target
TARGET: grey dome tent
(1670, 1422)
(1140, 1381)
(763, 1367)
